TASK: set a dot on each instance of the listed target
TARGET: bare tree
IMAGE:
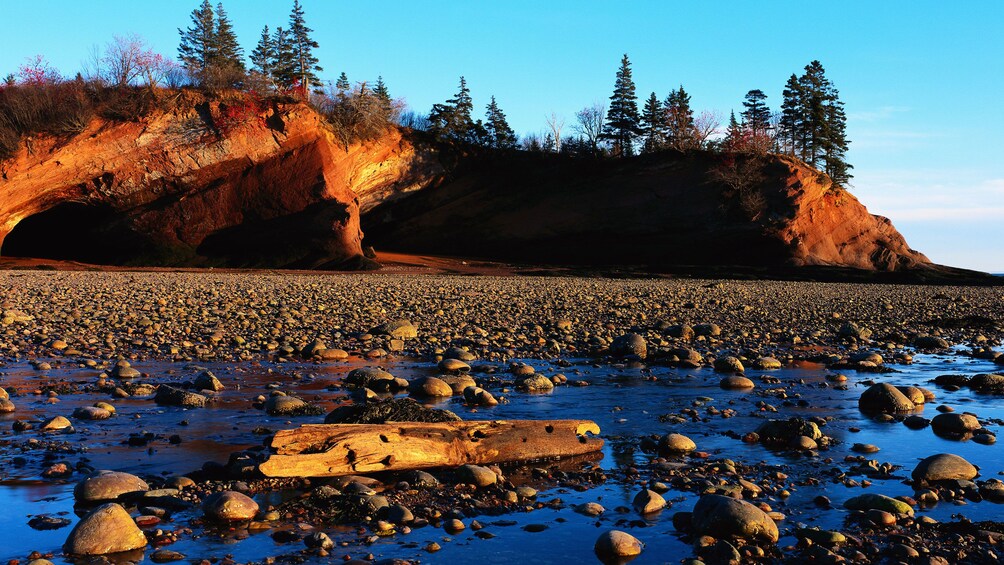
(556, 123)
(590, 123)
(122, 59)
(706, 125)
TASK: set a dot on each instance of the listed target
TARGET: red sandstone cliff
(275, 191)
(280, 191)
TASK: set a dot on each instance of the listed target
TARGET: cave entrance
(73, 231)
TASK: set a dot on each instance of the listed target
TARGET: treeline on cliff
(127, 80)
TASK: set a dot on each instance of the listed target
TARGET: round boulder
(477, 475)
(229, 506)
(534, 383)
(430, 386)
(629, 344)
(720, 516)
(615, 543)
(954, 423)
(729, 364)
(676, 443)
(884, 398)
(106, 529)
(103, 486)
(736, 382)
(944, 467)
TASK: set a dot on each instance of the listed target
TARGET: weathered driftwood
(328, 450)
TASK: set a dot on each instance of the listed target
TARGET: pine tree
(263, 56)
(653, 124)
(756, 116)
(680, 132)
(622, 117)
(452, 119)
(228, 58)
(383, 96)
(284, 64)
(306, 63)
(734, 133)
(342, 84)
(814, 123)
(499, 134)
(197, 49)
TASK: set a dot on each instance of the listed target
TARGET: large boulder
(229, 506)
(103, 486)
(944, 467)
(723, 517)
(884, 398)
(394, 410)
(171, 396)
(106, 529)
(629, 344)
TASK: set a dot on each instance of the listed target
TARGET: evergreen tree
(342, 84)
(306, 63)
(814, 122)
(499, 134)
(653, 124)
(284, 64)
(680, 132)
(622, 117)
(383, 96)
(452, 119)
(198, 43)
(756, 116)
(790, 124)
(263, 56)
(734, 133)
(229, 55)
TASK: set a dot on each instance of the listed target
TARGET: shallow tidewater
(625, 401)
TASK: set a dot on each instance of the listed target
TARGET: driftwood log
(329, 450)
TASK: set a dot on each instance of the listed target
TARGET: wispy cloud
(929, 196)
(876, 115)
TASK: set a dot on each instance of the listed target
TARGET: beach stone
(56, 423)
(123, 370)
(767, 363)
(629, 344)
(401, 329)
(459, 354)
(931, 342)
(229, 505)
(335, 354)
(993, 490)
(867, 357)
(944, 467)
(615, 543)
(707, 330)
(851, 329)
(736, 382)
(477, 396)
(676, 443)
(103, 486)
(166, 556)
(430, 386)
(915, 394)
(421, 479)
(988, 382)
(804, 443)
(392, 410)
(476, 475)
(729, 364)
(313, 348)
(648, 501)
(872, 501)
(208, 381)
(366, 376)
(723, 517)
(6, 406)
(319, 540)
(170, 396)
(91, 413)
(823, 537)
(106, 529)
(400, 514)
(916, 422)
(285, 405)
(534, 383)
(783, 433)
(458, 383)
(955, 423)
(453, 366)
(590, 509)
(884, 398)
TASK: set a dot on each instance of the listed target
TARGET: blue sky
(922, 80)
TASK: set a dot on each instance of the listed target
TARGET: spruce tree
(653, 124)
(306, 63)
(452, 119)
(263, 56)
(622, 124)
(229, 55)
(499, 134)
(383, 96)
(791, 127)
(284, 64)
(680, 132)
(756, 116)
(197, 49)
(342, 84)
(734, 133)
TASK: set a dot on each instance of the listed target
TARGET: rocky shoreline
(482, 346)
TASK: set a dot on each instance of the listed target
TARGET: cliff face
(276, 191)
(281, 191)
(659, 210)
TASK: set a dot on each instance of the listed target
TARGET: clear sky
(922, 80)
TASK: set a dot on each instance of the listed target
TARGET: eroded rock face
(657, 210)
(167, 190)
